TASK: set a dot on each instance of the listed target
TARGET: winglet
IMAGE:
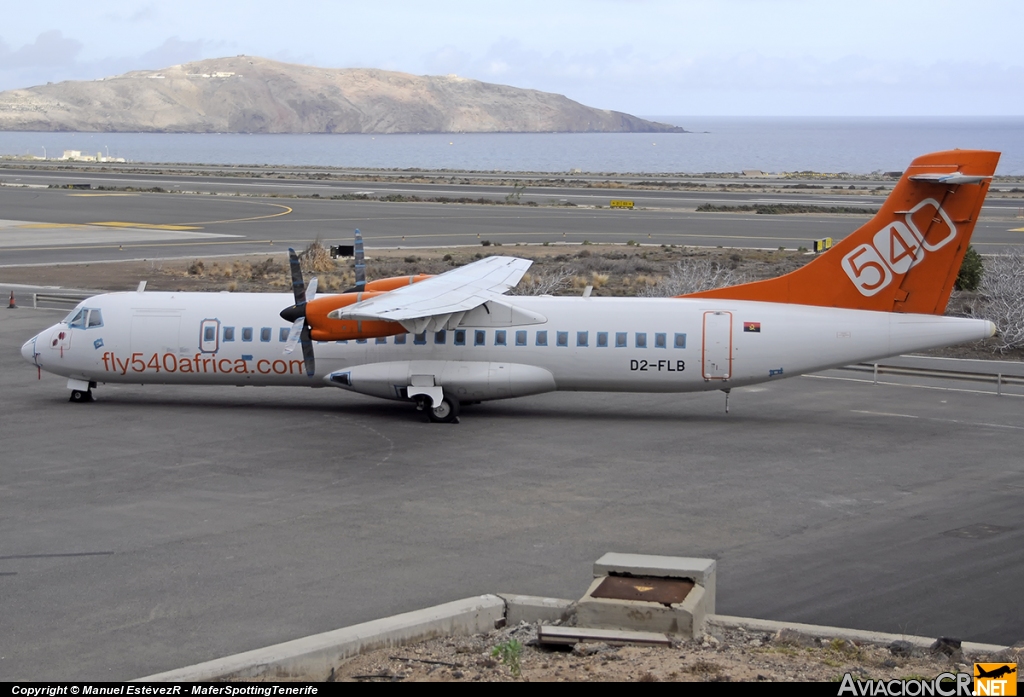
(906, 259)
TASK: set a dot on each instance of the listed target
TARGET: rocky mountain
(246, 94)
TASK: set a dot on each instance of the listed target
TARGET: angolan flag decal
(752, 327)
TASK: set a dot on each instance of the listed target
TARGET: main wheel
(445, 412)
(81, 396)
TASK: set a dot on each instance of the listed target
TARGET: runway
(48, 226)
(162, 526)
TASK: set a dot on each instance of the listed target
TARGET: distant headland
(247, 94)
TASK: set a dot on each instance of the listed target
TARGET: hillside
(246, 94)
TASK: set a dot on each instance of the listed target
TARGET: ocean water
(716, 144)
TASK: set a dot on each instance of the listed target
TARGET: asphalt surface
(48, 226)
(162, 526)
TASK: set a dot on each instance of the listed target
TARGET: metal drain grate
(667, 591)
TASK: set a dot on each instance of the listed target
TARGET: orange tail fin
(906, 258)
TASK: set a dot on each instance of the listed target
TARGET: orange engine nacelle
(321, 328)
(386, 284)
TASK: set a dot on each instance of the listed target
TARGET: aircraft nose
(28, 349)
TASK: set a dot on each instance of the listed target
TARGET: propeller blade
(298, 287)
(360, 258)
(294, 335)
(297, 315)
(311, 290)
(307, 351)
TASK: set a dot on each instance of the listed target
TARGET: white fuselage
(597, 344)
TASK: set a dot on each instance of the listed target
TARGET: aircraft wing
(441, 302)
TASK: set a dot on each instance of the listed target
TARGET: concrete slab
(574, 635)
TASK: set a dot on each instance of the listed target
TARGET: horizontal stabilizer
(948, 178)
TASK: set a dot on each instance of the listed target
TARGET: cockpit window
(95, 318)
(77, 321)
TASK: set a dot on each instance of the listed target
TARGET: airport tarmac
(161, 526)
(89, 226)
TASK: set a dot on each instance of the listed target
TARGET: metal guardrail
(998, 379)
(70, 299)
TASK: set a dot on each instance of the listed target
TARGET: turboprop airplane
(457, 338)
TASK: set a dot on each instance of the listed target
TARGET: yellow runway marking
(148, 226)
(1016, 229)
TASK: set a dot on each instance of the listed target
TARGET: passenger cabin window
(602, 339)
(440, 337)
(209, 333)
(542, 338)
(419, 339)
(265, 334)
(400, 338)
(246, 333)
(582, 338)
(381, 340)
(680, 340)
(620, 339)
(282, 334)
(562, 339)
(460, 337)
(499, 337)
(660, 341)
(479, 337)
(521, 337)
(641, 340)
(229, 334)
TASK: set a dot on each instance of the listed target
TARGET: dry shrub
(692, 276)
(316, 258)
(1001, 299)
(544, 282)
(265, 269)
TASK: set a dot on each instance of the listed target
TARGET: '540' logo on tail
(895, 249)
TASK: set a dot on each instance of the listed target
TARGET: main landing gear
(81, 396)
(81, 391)
(445, 412)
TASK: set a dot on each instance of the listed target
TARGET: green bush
(971, 270)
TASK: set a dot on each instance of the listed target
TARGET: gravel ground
(723, 655)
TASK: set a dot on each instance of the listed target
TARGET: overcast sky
(647, 57)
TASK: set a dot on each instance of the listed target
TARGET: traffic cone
(10, 304)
